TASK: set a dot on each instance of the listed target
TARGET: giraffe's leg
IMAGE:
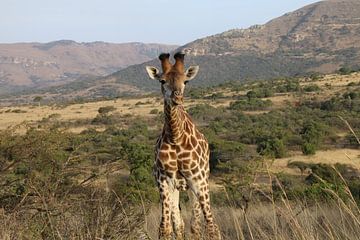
(201, 189)
(165, 230)
(196, 216)
(178, 223)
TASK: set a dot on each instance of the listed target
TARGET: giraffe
(181, 155)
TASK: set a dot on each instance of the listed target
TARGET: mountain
(43, 64)
(320, 37)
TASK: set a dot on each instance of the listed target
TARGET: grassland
(284, 164)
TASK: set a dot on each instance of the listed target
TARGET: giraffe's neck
(174, 122)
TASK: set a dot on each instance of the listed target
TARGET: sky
(117, 21)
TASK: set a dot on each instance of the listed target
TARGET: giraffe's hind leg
(165, 230)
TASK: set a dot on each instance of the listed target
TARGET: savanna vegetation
(98, 184)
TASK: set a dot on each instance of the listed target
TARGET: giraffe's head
(173, 77)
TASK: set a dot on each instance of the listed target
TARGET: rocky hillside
(316, 38)
(44, 64)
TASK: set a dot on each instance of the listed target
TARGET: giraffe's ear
(191, 72)
(153, 72)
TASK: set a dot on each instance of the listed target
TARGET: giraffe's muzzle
(177, 97)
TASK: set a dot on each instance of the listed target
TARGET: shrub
(154, 111)
(345, 70)
(308, 148)
(311, 88)
(107, 109)
(18, 111)
(272, 147)
(103, 119)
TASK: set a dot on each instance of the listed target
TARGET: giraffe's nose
(177, 93)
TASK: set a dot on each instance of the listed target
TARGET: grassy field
(285, 166)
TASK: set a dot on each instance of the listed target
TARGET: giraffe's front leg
(195, 218)
(178, 223)
(165, 230)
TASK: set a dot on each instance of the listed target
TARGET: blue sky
(160, 21)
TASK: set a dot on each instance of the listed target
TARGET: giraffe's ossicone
(181, 155)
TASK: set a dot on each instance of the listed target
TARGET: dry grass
(282, 220)
(134, 107)
(343, 156)
(336, 80)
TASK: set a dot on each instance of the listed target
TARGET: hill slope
(41, 64)
(320, 37)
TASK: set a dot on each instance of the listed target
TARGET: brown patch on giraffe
(177, 148)
(202, 163)
(193, 141)
(195, 170)
(184, 155)
(185, 163)
(194, 156)
(164, 155)
(164, 147)
(173, 155)
(188, 147)
(170, 168)
(173, 163)
(198, 135)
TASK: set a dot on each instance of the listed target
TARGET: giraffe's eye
(186, 82)
(162, 81)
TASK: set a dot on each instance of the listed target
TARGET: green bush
(291, 85)
(272, 147)
(308, 148)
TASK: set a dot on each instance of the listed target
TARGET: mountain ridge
(320, 37)
(57, 62)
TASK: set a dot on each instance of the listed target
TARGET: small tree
(251, 95)
(308, 148)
